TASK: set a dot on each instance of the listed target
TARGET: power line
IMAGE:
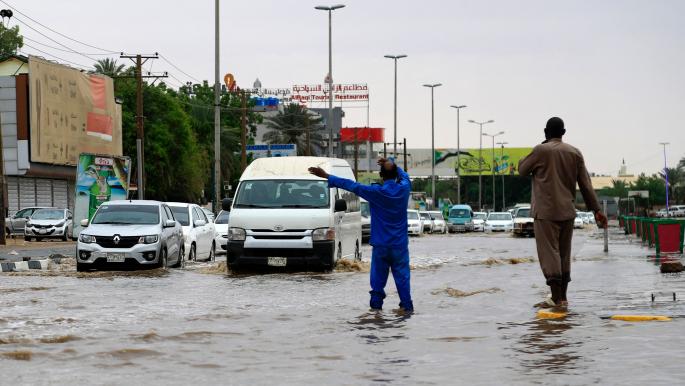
(81, 66)
(176, 67)
(56, 48)
(58, 33)
(51, 39)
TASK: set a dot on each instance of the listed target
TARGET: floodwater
(474, 323)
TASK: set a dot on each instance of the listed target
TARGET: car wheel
(162, 260)
(179, 262)
(192, 256)
(27, 238)
(212, 252)
(80, 267)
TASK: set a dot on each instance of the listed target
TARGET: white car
(677, 210)
(426, 221)
(49, 224)
(366, 220)
(221, 228)
(499, 222)
(578, 221)
(439, 223)
(198, 231)
(209, 214)
(479, 221)
(414, 223)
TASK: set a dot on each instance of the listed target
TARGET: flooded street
(474, 322)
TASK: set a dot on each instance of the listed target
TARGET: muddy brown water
(201, 326)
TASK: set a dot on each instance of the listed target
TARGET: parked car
(426, 221)
(130, 232)
(282, 215)
(661, 213)
(221, 227)
(499, 222)
(591, 218)
(479, 221)
(523, 222)
(460, 218)
(578, 221)
(49, 224)
(14, 225)
(198, 232)
(366, 220)
(677, 210)
(439, 223)
(209, 214)
(414, 223)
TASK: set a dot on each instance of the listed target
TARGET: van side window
(352, 201)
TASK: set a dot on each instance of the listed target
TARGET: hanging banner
(312, 93)
(72, 112)
(502, 162)
(99, 178)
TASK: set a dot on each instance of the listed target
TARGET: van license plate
(277, 261)
(116, 257)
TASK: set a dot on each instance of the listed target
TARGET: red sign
(363, 134)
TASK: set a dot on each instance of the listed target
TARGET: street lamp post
(394, 140)
(432, 87)
(458, 153)
(493, 164)
(666, 174)
(504, 204)
(480, 162)
(330, 72)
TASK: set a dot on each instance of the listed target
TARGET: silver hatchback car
(130, 233)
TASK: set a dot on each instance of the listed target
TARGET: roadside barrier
(665, 235)
(20, 266)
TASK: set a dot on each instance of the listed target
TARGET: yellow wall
(10, 66)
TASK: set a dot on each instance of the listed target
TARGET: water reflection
(548, 347)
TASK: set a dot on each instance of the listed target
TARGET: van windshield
(282, 194)
(460, 213)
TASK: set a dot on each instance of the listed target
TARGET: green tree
(676, 180)
(293, 125)
(108, 67)
(654, 184)
(10, 40)
(618, 188)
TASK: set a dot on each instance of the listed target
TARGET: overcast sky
(612, 69)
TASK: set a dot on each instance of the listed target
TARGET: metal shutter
(27, 192)
(43, 192)
(12, 194)
(71, 193)
(60, 194)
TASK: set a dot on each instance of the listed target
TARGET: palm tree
(108, 67)
(296, 125)
(676, 179)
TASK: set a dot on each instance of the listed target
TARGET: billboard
(275, 150)
(310, 93)
(505, 161)
(99, 178)
(72, 112)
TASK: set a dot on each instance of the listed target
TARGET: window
(127, 215)
(282, 194)
(412, 216)
(499, 216)
(181, 214)
(201, 215)
(436, 216)
(352, 200)
(23, 213)
(365, 209)
(460, 213)
(169, 214)
(523, 213)
(425, 216)
(222, 218)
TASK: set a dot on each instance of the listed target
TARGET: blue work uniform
(388, 203)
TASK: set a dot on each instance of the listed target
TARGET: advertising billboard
(72, 112)
(505, 161)
(99, 178)
(309, 93)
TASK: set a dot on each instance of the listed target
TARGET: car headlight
(86, 239)
(28, 223)
(151, 239)
(60, 224)
(322, 234)
(236, 234)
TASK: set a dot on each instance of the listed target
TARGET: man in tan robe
(556, 167)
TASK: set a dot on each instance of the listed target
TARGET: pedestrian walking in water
(556, 168)
(388, 203)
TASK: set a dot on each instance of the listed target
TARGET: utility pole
(356, 153)
(504, 205)
(308, 149)
(493, 164)
(217, 112)
(404, 146)
(3, 197)
(243, 131)
(432, 87)
(668, 213)
(458, 154)
(480, 162)
(139, 60)
(385, 150)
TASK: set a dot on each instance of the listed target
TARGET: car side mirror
(340, 205)
(84, 222)
(200, 223)
(226, 204)
(169, 224)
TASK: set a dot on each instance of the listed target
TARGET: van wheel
(357, 253)
(338, 255)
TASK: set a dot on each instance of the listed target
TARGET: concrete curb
(22, 266)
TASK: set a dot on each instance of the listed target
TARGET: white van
(282, 215)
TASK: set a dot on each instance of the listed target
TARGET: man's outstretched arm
(367, 192)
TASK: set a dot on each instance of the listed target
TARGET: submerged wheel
(212, 252)
(357, 253)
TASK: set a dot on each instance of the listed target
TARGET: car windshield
(499, 217)
(578, 215)
(460, 213)
(222, 218)
(127, 215)
(282, 194)
(425, 216)
(523, 213)
(181, 214)
(480, 216)
(48, 214)
(437, 216)
(412, 216)
(365, 209)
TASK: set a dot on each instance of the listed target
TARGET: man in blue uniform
(388, 203)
